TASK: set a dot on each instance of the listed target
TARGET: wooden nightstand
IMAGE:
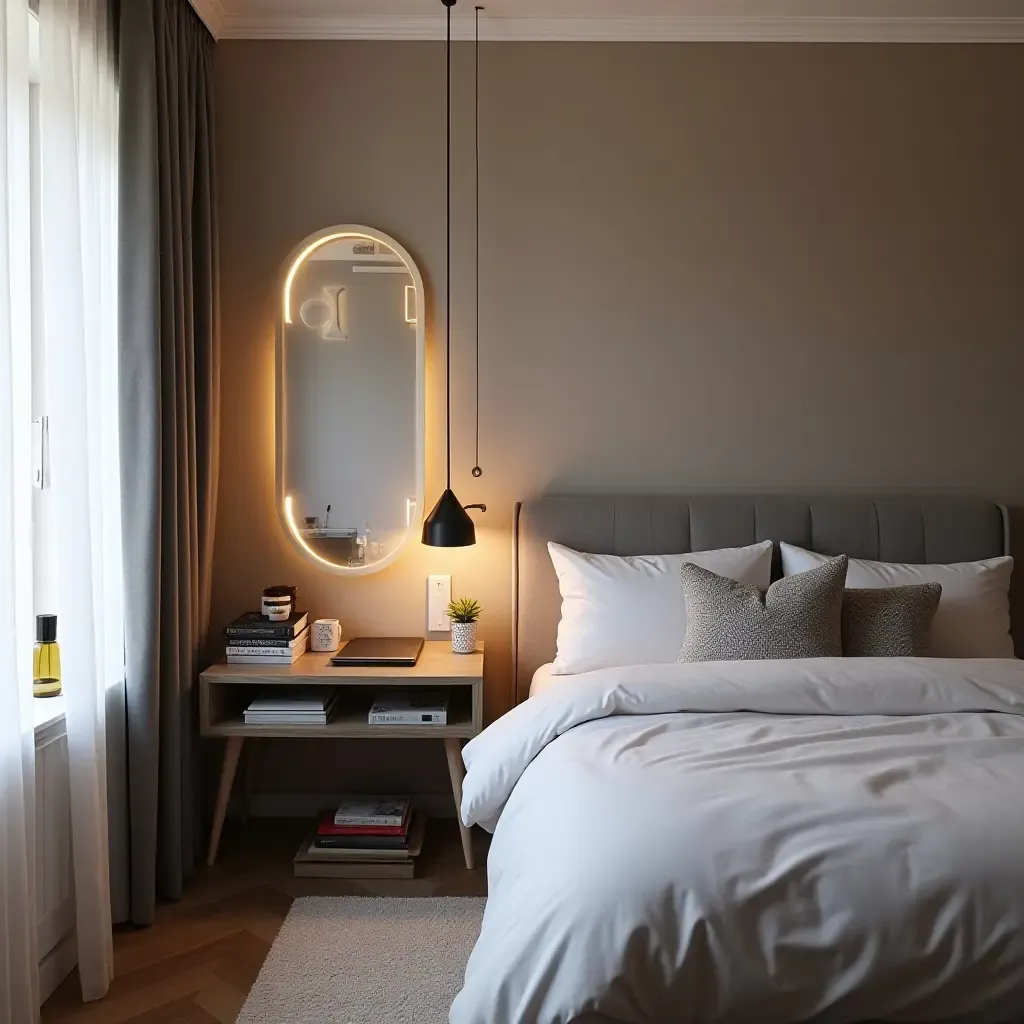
(226, 690)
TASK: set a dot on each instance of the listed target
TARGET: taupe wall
(703, 266)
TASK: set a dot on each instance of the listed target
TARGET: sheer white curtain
(78, 132)
(18, 974)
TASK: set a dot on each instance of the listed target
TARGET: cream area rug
(366, 960)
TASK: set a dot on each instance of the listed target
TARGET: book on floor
(361, 842)
(412, 846)
(429, 707)
(372, 810)
(328, 828)
(254, 626)
(354, 869)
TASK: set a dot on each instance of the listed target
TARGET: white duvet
(834, 840)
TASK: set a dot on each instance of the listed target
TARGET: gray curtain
(169, 428)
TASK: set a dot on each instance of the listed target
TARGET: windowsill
(47, 712)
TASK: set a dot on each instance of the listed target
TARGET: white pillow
(631, 610)
(973, 618)
(542, 679)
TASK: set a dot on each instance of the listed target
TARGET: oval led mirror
(350, 396)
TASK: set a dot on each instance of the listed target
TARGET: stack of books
(363, 838)
(297, 707)
(252, 639)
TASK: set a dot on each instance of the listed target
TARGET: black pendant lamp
(449, 524)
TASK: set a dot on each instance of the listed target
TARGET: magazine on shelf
(287, 719)
(303, 707)
(295, 700)
(409, 708)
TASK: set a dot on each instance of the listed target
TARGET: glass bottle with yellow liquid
(46, 658)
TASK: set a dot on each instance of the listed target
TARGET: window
(70, 374)
(59, 532)
(43, 570)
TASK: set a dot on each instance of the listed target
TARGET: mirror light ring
(297, 534)
(337, 236)
(286, 501)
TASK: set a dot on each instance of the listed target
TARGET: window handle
(41, 453)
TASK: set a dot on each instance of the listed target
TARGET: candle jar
(278, 603)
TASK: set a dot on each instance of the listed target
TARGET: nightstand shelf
(226, 690)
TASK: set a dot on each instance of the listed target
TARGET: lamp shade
(449, 524)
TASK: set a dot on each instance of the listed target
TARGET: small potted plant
(464, 613)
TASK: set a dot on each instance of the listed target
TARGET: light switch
(439, 594)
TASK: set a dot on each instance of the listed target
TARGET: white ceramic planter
(463, 637)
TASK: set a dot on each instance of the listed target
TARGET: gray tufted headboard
(897, 529)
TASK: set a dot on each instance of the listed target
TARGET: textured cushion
(973, 618)
(890, 622)
(798, 617)
(630, 610)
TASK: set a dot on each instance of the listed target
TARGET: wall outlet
(439, 594)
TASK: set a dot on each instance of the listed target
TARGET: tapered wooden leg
(453, 748)
(229, 765)
(250, 771)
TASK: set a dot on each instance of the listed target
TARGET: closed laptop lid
(380, 650)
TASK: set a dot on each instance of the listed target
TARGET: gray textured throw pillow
(890, 622)
(798, 617)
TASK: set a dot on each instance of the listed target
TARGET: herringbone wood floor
(197, 962)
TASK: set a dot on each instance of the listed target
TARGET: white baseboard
(57, 965)
(55, 926)
(306, 805)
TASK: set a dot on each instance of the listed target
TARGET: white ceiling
(623, 20)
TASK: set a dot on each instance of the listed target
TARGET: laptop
(379, 650)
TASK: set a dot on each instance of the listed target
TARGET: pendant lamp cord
(448, 248)
(477, 471)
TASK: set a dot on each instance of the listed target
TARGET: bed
(834, 839)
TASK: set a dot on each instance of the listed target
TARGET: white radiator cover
(55, 881)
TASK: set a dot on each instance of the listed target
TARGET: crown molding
(212, 14)
(709, 29)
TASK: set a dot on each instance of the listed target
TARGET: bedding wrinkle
(619, 748)
(550, 953)
(948, 935)
(888, 778)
